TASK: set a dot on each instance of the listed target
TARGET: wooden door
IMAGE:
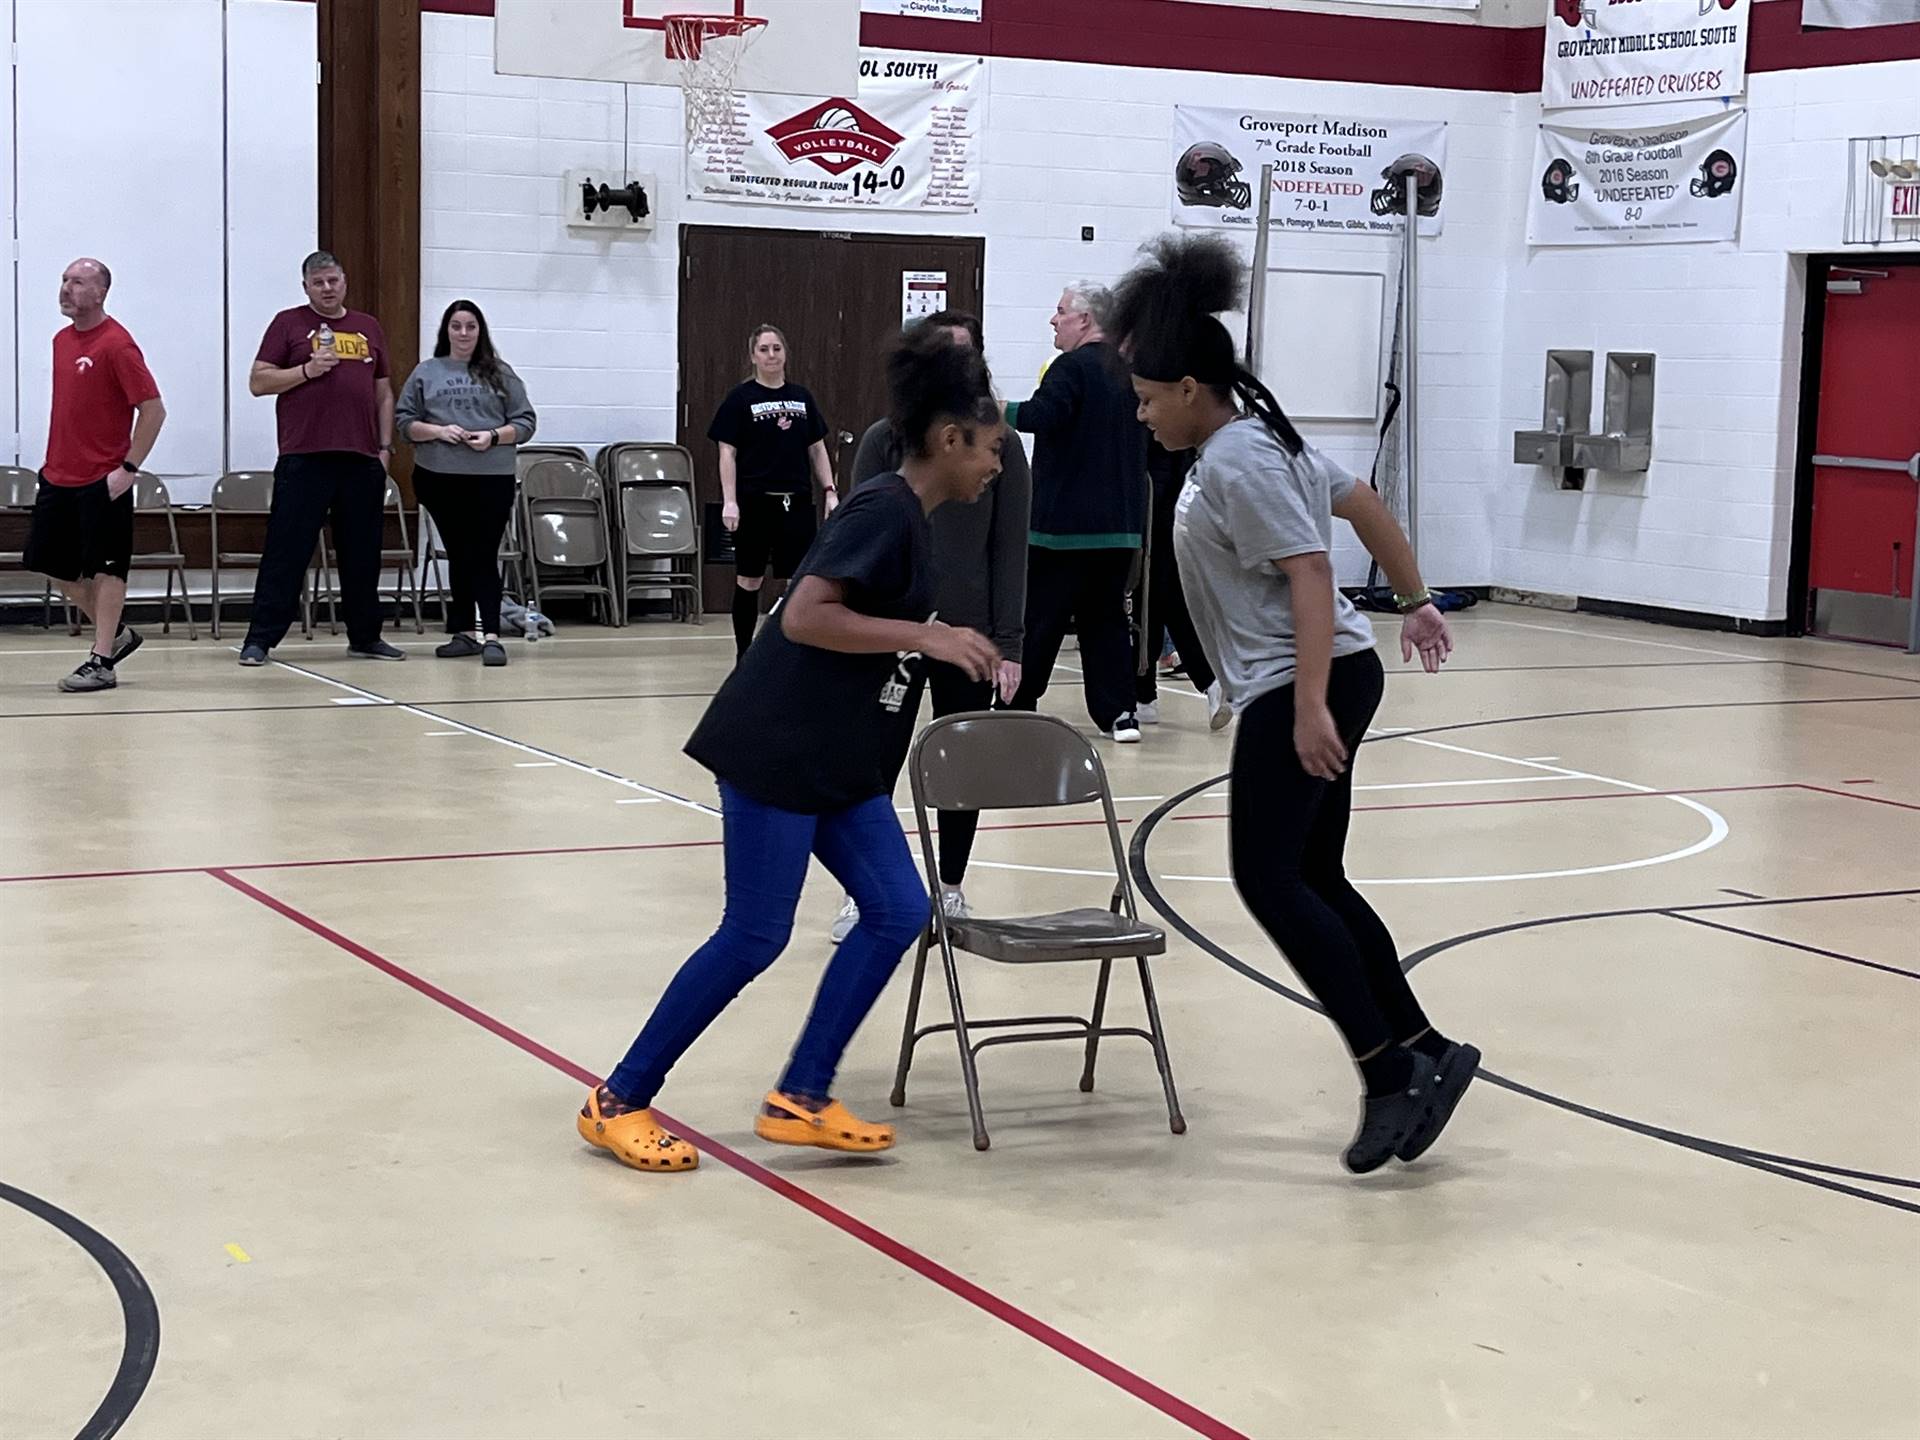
(837, 296)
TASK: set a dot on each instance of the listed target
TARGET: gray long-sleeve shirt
(441, 391)
(979, 550)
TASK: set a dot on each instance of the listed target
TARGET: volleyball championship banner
(911, 141)
(1330, 172)
(1671, 184)
(1639, 52)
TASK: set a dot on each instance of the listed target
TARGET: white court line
(546, 755)
(359, 700)
(639, 800)
(1623, 639)
(535, 764)
(441, 732)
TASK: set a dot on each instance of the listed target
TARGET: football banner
(1858, 14)
(1605, 52)
(910, 141)
(1597, 185)
(1331, 173)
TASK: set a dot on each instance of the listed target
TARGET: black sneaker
(251, 655)
(458, 648)
(1390, 1120)
(95, 673)
(1126, 730)
(1456, 1069)
(493, 654)
(376, 650)
(125, 643)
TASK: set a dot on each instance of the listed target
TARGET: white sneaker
(1219, 712)
(1126, 730)
(1148, 713)
(844, 922)
(954, 903)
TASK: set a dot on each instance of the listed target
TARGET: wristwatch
(130, 467)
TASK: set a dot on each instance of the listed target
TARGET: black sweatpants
(1088, 589)
(1289, 839)
(470, 512)
(955, 693)
(307, 489)
(1167, 603)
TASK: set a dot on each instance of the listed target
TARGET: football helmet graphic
(1205, 176)
(1574, 13)
(1559, 185)
(1716, 177)
(1391, 197)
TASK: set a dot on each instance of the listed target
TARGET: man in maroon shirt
(106, 416)
(328, 367)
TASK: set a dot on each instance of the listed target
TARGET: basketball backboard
(808, 47)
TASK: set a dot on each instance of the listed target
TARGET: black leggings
(955, 693)
(1289, 833)
(470, 512)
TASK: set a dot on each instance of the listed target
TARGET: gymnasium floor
(302, 971)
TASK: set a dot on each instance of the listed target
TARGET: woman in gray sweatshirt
(466, 412)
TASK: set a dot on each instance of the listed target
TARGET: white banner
(1358, 4)
(1331, 173)
(1662, 186)
(911, 141)
(1851, 14)
(1606, 52)
(925, 9)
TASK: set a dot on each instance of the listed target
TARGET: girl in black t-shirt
(772, 451)
(806, 738)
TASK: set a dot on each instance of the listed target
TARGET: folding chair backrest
(244, 490)
(563, 508)
(1004, 760)
(150, 493)
(560, 479)
(18, 487)
(661, 464)
(527, 456)
(658, 519)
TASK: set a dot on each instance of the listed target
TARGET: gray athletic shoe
(253, 655)
(377, 650)
(125, 643)
(94, 674)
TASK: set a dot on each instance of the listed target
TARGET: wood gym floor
(302, 971)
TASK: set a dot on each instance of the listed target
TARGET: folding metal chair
(568, 536)
(405, 576)
(150, 497)
(239, 492)
(659, 525)
(19, 487)
(1010, 760)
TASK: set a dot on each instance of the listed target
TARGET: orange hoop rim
(686, 34)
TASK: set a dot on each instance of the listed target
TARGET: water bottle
(535, 625)
(324, 338)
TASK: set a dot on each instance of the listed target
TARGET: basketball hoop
(708, 49)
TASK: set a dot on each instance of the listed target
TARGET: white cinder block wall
(591, 322)
(1709, 526)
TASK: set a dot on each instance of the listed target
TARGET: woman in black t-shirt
(806, 738)
(772, 451)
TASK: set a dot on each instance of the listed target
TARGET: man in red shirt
(327, 366)
(106, 416)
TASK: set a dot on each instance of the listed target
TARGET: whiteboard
(1321, 342)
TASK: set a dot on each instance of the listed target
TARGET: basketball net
(708, 49)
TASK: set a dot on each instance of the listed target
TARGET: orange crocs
(832, 1128)
(635, 1138)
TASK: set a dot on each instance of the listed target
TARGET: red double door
(1866, 449)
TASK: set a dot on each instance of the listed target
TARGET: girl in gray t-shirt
(1253, 532)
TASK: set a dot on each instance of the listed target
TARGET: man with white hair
(106, 417)
(1089, 511)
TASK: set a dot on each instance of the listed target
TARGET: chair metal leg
(166, 608)
(213, 617)
(186, 604)
(899, 1096)
(968, 1073)
(1093, 1027)
(1175, 1119)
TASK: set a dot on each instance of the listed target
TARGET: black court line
(1796, 945)
(140, 1316)
(1743, 894)
(1807, 1172)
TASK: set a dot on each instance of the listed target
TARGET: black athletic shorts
(79, 531)
(776, 530)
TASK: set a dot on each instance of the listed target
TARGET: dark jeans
(1289, 839)
(1088, 589)
(1167, 612)
(307, 489)
(955, 694)
(470, 512)
(766, 856)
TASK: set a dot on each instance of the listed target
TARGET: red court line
(1034, 1328)
(636, 846)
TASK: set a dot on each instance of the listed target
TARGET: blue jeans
(766, 858)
